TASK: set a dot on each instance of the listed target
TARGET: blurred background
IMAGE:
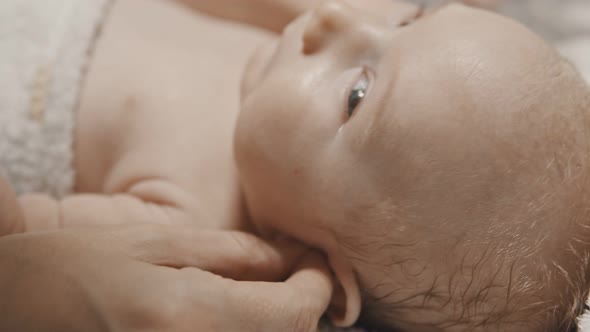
(565, 23)
(555, 19)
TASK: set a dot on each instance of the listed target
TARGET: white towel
(44, 47)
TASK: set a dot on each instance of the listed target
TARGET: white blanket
(44, 47)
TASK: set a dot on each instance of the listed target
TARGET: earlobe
(345, 307)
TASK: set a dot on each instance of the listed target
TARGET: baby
(438, 157)
(440, 160)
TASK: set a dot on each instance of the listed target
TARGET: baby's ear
(345, 307)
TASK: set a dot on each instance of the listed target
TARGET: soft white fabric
(44, 48)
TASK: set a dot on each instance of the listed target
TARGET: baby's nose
(329, 19)
(360, 21)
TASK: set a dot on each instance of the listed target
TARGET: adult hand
(11, 214)
(158, 278)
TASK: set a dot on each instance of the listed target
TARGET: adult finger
(11, 216)
(296, 304)
(231, 254)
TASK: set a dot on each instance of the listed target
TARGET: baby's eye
(358, 92)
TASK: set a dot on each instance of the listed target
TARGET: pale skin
(147, 118)
(148, 114)
(448, 172)
(160, 167)
(158, 278)
(168, 277)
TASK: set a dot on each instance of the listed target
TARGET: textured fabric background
(44, 49)
(564, 23)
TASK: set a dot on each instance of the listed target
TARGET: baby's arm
(151, 201)
(272, 15)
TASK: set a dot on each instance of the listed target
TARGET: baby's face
(377, 133)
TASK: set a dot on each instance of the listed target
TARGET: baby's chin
(257, 66)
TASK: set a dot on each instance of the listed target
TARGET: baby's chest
(163, 106)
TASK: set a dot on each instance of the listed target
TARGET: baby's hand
(152, 202)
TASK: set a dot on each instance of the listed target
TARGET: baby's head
(441, 162)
